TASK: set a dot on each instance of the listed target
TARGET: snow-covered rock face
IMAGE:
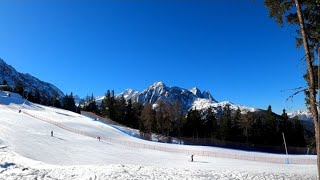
(160, 92)
(204, 104)
(303, 115)
(29, 82)
(192, 98)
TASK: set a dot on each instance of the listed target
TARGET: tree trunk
(311, 86)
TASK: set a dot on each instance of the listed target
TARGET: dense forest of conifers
(261, 127)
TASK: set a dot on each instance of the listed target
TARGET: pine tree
(37, 97)
(163, 117)
(56, 100)
(235, 126)
(298, 134)
(270, 131)
(247, 122)
(19, 88)
(109, 102)
(68, 103)
(128, 113)
(120, 109)
(225, 128)
(258, 128)
(30, 97)
(7, 87)
(211, 124)
(147, 116)
(283, 123)
(304, 16)
(103, 106)
(136, 114)
(177, 113)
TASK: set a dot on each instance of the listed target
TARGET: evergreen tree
(257, 134)
(6, 87)
(283, 122)
(211, 124)
(247, 122)
(193, 124)
(56, 101)
(270, 130)
(19, 88)
(78, 109)
(37, 97)
(91, 105)
(147, 116)
(163, 118)
(298, 134)
(111, 106)
(68, 103)
(128, 113)
(177, 113)
(120, 109)
(30, 97)
(235, 127)
(136, 114)
(104, 104)
(225, 128)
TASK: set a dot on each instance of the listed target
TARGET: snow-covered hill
(27, 151)
(303, 115)
(192, 98)
(29, 82)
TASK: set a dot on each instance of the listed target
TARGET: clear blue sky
(231, 48)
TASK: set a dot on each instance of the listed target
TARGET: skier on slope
(192, 158)
(98, 138)
(51, 133)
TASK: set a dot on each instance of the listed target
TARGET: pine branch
(297, 92)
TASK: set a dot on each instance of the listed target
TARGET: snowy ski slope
(27, 151)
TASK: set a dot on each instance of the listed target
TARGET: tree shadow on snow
(200, 161)
(6, 165)
(59, 138)
(104, 142)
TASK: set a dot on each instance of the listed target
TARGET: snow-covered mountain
(29, 82)
(188, 98)
(303, 115)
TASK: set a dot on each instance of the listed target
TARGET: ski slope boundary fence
(228, 155)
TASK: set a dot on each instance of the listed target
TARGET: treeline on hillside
(67, 102)
(263, 127)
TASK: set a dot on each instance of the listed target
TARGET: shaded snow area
(27, 151)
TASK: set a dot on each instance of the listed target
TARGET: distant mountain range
(188, 98)
(192, 99)
(29, 82)
(303, 115)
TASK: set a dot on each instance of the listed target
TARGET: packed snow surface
(27, 151)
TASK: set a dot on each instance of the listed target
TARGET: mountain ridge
(192, 98)
(29, 82)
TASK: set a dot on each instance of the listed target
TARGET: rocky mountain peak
(30, 83)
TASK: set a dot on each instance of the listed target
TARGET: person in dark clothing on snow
(192, 158)
(98, 138)
(51, 133)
